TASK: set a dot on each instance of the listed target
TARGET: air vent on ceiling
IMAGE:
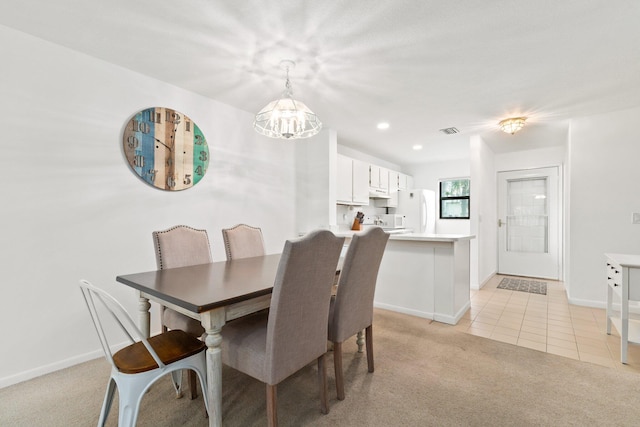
(449, 131)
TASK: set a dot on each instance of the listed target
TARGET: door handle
(499, 223)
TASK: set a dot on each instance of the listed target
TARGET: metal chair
(137, 366)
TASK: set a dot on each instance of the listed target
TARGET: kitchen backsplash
(346, 214)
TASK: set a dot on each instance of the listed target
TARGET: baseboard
(452, 320)
(403, 310)
(587, 303)
(47, 369)
(484, 282)
(53, 367)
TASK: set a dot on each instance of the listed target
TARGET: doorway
(529, 232)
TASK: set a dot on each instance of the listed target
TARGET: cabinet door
(384, 179)
(402, 181)
(393, 190)
(374, 176)
(344, 180)
(360, 183)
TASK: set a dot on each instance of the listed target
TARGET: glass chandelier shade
(287, 118)
(512, 125)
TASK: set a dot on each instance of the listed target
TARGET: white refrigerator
(419, 208)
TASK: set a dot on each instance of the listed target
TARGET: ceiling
(421, 65)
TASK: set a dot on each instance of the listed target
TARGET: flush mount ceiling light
(512, 125)
(287, 118)
(383, 125)
(417, 147)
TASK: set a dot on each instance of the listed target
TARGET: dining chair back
(137, 366)
(243, 241)
(270, 347)
(351, 310)
(181, 246)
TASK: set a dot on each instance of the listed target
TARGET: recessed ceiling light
(417, 147)
(383, 125)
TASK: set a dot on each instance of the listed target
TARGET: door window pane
(527, 218)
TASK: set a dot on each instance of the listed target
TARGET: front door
(528, 223)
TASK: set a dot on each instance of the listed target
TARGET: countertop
(625, 260)
(417, 237)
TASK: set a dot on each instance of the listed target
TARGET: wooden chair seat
(170, 346)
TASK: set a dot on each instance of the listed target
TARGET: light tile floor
(546, 323)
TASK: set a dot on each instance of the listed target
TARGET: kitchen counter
(419, 237)
(425, 275)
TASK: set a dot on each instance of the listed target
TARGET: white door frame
(560, 217)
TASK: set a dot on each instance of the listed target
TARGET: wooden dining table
(213, 294)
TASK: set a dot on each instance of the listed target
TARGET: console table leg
(360, 341)
(213, 321)
(144, 317)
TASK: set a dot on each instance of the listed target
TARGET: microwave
(392, 221)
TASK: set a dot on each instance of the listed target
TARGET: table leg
(360, 341)
(624, 317)
(144, 317)
(609, 308)
(213, 321)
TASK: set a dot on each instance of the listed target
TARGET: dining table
(212, 293)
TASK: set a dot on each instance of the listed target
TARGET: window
(454, 198)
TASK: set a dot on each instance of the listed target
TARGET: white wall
(428, 175)
(71, 207)
(604, 179)
(530, 159)
(483, 213)
(355, 154)
(316, 160)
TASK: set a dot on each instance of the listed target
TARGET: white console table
(623, 280)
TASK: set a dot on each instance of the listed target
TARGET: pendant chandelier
(287, 118)
(512, 125)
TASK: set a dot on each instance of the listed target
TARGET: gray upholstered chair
(243, 241)
(181, 246)
(271, 347)
(351, 310)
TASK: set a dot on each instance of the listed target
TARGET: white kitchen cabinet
(405, 182)
(352, 181)
(384, 179)
(623, 282)
(402, 181)
(378, 181)
(374, 176)
(360, 183)
(392, 201)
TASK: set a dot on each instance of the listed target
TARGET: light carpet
(427, 374)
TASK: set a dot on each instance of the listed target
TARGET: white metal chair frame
(132, 387)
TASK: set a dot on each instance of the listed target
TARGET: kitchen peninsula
(425, 275)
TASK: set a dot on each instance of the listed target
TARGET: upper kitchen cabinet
(402, 181)
(392, 201)
(352, 182)
(378, 181)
